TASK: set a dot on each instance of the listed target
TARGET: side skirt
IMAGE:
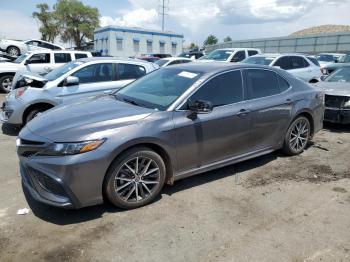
(222, 163)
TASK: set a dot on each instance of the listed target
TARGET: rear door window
(260, 83)
(299, 62)
(238, 56)
(43, 58)
(221, 90)
(95, 73)
(252, 52)
(282, 83)
(130, 71)
(284, 63)
(80, 55)
(62, 58)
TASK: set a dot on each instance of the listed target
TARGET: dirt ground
(273, 208)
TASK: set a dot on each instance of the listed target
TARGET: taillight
(323, 71)
(20, 91)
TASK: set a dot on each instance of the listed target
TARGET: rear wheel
(297, 136)
(135, 178)
(13, 51)
(5, 83)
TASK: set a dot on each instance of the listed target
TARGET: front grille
(45, 182)
(335, 101)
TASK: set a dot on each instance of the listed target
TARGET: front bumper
(12, 110)
(72, 181)
(337, 115)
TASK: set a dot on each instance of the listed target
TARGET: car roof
(57, 51)
(175, 58)
(275, 55)
(238, 48)
(216, 67)
(113, 59)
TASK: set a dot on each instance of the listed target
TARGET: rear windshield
(218, 55)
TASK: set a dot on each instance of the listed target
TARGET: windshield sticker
(187, 74)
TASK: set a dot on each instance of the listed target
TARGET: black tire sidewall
(1, 80)
(286, 145)
(118, 162)
(31, 114)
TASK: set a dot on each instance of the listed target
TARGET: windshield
(20, 59)
(325, 58)
(60, 71)
(219, 55)
(159, 89)
(258, 60)
(340, 75)
(345, 59)
(161, 62)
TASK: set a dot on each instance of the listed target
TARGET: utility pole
(163, 13)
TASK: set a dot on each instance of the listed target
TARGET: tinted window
(95, 73)
(35, 43)
(78, 56)
(62, 57)
(284, 62)
(260, 83)
(221, 90)
(298, 62)
(238, 57)
(252, 52)
(282, 83)
(313, 60)
(128, 71)
(46, 45)
(39, 59)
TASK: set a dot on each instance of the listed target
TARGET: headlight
(347, 104)
(63, 149)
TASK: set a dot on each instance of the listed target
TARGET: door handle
(289, 101)
(242, 112)
(47, 68)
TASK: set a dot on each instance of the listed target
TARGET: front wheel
(33, 114)
(13, 51)
(5, 83)
(135, 178)
(297, 136)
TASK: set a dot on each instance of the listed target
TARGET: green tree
(211, 40)
(193, 46)
(49, 28)
(77, 21)
(227, 39)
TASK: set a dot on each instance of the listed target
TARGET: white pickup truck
(40, 62)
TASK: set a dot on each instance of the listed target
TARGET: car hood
(26, 78)
(89, 119)
(336, 65)
(334, 88)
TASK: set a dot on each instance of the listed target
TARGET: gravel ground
(273, 208)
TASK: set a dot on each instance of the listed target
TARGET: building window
(174, 48)
(119, 44)
(136, 45)
(162, 47)
(149, 47)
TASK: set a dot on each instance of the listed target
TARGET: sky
(195, 19)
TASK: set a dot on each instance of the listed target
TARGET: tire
(33, 114)
(5, 83)
(297, 136)
(123, 186)
(13, 51)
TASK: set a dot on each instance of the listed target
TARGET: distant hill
(322, 29)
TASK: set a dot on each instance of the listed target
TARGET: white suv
(229, 55)
(39, 62)
(296, 64)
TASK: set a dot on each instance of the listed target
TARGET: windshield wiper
(129, 101)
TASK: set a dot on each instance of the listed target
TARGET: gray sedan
(175, 122)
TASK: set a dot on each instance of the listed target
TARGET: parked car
(336, 87)
(172, 61)
(175, 122)
(151, 59)
(328, 58)
(229, 55)
(40, 62)
(343, 61)
(16, 47)
(158, 55)
(87, 77)
(296, 64)
(313, 60)
(192, 54)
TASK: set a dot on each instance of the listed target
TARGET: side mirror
(200, 106)
(277, 67)
(26, 62)
(71, 81)
(235, 60)
(322, 78)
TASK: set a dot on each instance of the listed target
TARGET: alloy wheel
(6, 83)
(137, 179)
(13, 51)
(299, 135)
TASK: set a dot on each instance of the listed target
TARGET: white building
(126, 41)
